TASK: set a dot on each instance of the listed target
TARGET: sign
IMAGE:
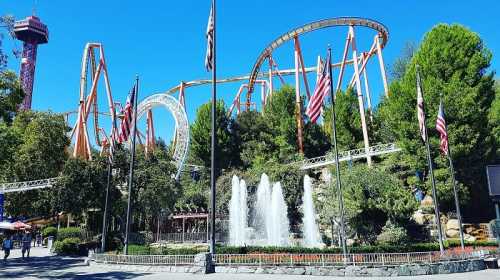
(493, 174)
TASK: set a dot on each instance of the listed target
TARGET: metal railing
(179, 237)
(27, 185)
(339, 259)
(144, 259)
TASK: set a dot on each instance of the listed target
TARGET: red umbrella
(20, 225)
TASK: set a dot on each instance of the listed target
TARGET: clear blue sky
(163, 41)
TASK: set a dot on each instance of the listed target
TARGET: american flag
(322, 89)
(420, 110)
(126, 124)
(210, 40)
(441, 128)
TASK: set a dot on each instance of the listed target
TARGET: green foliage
(453, 63)
(7, 22)
(69, 232)
(68, 246)
(49, 231)
(392, 234)
(11, 94)
(371, 197)
(200, 136)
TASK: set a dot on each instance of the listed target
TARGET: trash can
(50, 241)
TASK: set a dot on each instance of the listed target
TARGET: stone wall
(384, 271)
(349, 271)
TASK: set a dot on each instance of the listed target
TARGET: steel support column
(298, 103)
(382, 66)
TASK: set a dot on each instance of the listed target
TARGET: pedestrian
(38, 239)
(26, 244)
(6, 247)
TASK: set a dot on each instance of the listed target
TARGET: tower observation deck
(32, 32)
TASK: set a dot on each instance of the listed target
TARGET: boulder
(469, 238)
(452, 233)
(453, 224)
(427, 201)
(419, 217)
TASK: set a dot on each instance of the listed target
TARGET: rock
(452, 233)
(246, 269)
(427, 201)
(453, 224)
(419, 217)
(350, 242)
(298, 271)
(469, 238)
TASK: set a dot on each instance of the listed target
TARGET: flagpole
(213, 140)
(131, 172)
(455, 194)
(105, 218)
(431, 173)
(337, 164)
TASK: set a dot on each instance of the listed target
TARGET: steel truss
(347, 155)
(27, 185)
(181, 124)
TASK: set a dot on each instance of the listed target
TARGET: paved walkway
(43, 266)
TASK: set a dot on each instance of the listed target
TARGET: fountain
(309, 226)
(270, 224)
(238, 211)
(280, 226)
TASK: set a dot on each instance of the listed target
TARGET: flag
(420, 110)
(210, 40)
(322, 89)
(441, 128)
(126, 123)
(112, 145)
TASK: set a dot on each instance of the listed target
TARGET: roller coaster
(94, 68)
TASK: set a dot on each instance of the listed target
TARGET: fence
(340, 259)
(145, 259)
(372, 259)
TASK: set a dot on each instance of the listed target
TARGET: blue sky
(164, 43)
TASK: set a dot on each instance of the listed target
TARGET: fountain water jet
(309, 226)
(263, 221)
(238, 212)
(280, 226)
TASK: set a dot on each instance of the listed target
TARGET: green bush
(392, 234)
(68, 246)
(49, 231)
(70, 232)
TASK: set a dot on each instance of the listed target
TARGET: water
(309, 226)
(280, 226)
(270, 224)
(262, 222)
(238, 212)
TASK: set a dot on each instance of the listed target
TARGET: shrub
(68, 246)
(70, 232)
(392, 234)
(49, 231)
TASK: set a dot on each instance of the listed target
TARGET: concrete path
(43, 266)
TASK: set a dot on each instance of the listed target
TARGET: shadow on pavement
(53, 267)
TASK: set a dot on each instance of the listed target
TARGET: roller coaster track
(332, 22)
(27, 185)
(347, 156)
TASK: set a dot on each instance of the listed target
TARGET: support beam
(382, 66)
(367, 87)
(343, 63)
(302, 67)
(360, 97)
(298, 104)
(270, 74)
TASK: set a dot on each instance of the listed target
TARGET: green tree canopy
(453, 64)
(11, 95)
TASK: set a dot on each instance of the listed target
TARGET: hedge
(417, 247)
(68, 246)
(69, 232)
(49, 231)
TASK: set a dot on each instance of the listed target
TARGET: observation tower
(32, 32)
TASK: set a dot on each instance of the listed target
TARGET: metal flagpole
(214, 139)
(131, 172)
(105, 218)
(431, 173)
(337, 164)
(455, 194)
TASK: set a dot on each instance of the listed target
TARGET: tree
(453, 63)
(371, 197)
(399, 67)
(494, 118)
(11, 95)
(6, 22)
(40, 153)
(200, 136)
